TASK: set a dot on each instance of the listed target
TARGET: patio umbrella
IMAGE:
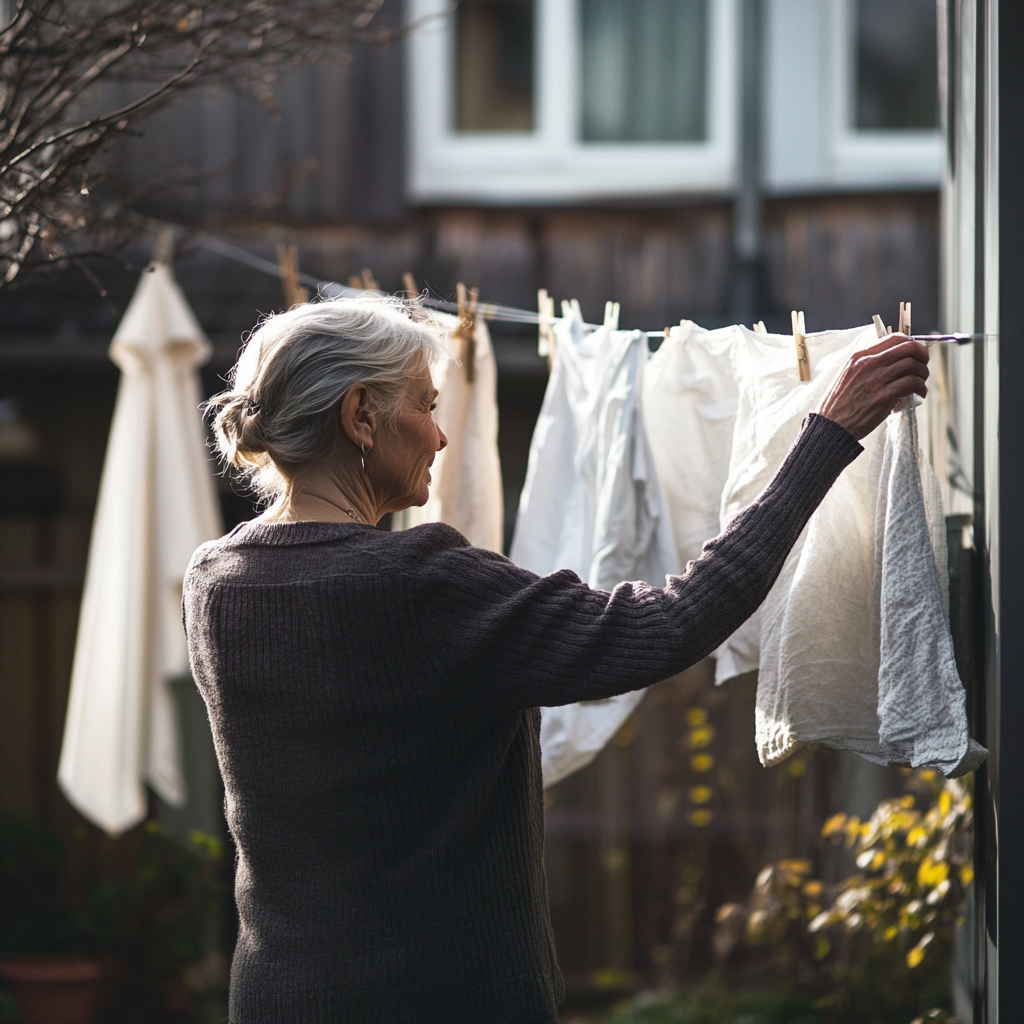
(156, 505)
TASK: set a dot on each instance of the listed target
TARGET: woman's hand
(874, 381)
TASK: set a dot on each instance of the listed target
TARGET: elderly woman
(374, 696)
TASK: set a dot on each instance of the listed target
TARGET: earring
(362, 458)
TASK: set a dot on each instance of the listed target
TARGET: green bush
(877, 945)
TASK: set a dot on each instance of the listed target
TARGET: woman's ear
(358, 420)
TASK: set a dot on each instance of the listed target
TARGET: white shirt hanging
(690, 399)
(592, 503)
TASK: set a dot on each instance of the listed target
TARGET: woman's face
(403, 452)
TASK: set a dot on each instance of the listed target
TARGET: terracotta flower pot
(55, 988)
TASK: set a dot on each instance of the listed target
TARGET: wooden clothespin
(879, 326)
(467, 309)
(288, 262)
(409, 282)
(546, 327)
(759, 327)
(611, 315)
(803, 363)
(369, 281)
(355, 282)
(905, 327)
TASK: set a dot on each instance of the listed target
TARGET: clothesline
(487, 310)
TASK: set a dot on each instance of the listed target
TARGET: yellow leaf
(700, 794)
(702, 762)
(890, 933)
(967, 874)
(945, 802)
(700, 818)
(812, 888)
(914, 957)
(797, 768)
(834, 824)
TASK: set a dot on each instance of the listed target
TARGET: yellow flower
(700, 818)
(917, 837)
(700, 794)
(890, 933)
(945, 802)
(702, 762)
(695, 717)
(930, 873)
(812, 888)
(701, 737)
(967, 874)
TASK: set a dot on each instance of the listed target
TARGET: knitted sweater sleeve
(517, 640)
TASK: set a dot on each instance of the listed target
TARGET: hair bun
(239, 424)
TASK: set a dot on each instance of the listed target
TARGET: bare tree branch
(56, 55)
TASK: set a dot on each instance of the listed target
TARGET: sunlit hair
(280, 413)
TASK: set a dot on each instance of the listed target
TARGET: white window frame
(810, 142)
(892, 157)
(552, 163)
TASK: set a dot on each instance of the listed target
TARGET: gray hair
(280, 412)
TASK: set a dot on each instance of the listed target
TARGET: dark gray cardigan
(374, 702)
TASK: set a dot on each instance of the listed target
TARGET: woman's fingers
(874, 381)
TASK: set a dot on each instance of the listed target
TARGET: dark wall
(320, 143)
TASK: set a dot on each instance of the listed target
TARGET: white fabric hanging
(690, 399)
(156, 505)
(772, 405)
(466, 490)
(853, 644)
(592, 503)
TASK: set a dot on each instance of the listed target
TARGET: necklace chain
(353, 514)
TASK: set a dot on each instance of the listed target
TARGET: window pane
(494, 58)
(897, 65)
(644, 70)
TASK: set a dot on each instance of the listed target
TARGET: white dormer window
(545, 100)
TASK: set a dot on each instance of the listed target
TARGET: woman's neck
(326, 496)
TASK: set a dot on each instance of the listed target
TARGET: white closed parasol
(157, 503)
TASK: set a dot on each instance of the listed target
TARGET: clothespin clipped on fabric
(611, 315)
(803, 364)
(879, 326)
(163, 247)
(546, 327)
(759, 327)
(369, 281)
(467, 309)
(288, 262)
(355, 282)
(904, 327)
(409, 282)
(571, 310)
